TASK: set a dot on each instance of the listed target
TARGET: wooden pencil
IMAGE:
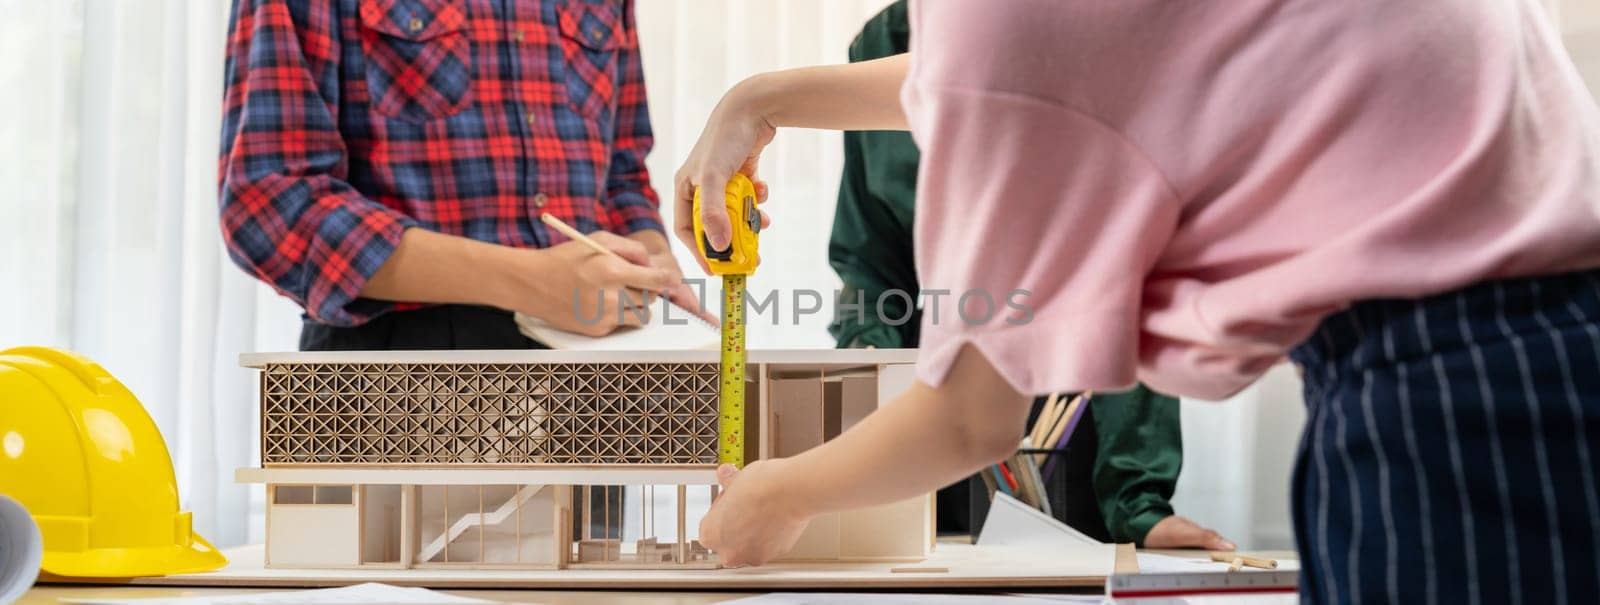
(1055, 408)
(1011, 479)
(1022, 490)
(1030, 468)
(1046, 420)
(1072, 423)
(1063, 433)
(1000, 480)
(1019, 466)
(1058, 406)
(1063, 408)
(578, 236)
(1061, 423)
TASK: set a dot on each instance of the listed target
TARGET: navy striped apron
(1451, 448)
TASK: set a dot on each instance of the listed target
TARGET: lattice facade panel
(487, 414)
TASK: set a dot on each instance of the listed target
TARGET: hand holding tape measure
(725, 238)
(733, 262)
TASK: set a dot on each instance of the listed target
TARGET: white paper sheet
(1032, 535)
(1011, 522)
(356, 594)
(21, 549)
(789, 598)
(686, 332)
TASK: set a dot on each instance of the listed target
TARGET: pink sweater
(1187, 188)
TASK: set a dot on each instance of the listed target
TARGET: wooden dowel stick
(683, 538)
(1257, 562)
(446, 524)
(481, 524)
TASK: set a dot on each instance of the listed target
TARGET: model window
(308, 494)
(292, 494)
(335, 494)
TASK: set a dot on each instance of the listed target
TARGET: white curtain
(694, 50)
(109, 226)
(1579, 21)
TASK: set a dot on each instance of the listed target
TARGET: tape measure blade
(730, 397)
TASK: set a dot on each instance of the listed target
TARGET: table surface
(51, 594)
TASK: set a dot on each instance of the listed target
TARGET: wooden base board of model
(951, 566)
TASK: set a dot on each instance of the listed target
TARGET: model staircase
(488, 518)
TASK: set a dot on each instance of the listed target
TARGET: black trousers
(443, 327)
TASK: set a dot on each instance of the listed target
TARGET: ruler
(1163, 585)
(730, 400)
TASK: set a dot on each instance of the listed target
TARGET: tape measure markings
(730, 401)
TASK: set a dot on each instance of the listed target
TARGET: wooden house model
(547, 459)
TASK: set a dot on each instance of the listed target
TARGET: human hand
(680, 294)
(751, 523)
(731, 141)
(577, 289)
(1180, 532)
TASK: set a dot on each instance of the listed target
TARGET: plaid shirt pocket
(419, 57)
(591, 34)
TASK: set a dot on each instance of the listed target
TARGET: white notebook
(686, 332)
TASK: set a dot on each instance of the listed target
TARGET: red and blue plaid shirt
(348, 121)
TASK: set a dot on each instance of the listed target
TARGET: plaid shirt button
(539, 200)
(530, 118)
(415, 25)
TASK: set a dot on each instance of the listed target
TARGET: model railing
(488, 414)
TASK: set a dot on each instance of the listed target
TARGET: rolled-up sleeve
(1139, 454)
(287, 214)
(632, 204)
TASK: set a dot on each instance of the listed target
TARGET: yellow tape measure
(734, 263)
(730, 400)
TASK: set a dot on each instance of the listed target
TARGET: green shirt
(1140, 442)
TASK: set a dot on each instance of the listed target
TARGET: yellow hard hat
(82, 455)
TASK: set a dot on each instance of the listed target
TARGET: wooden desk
(50, 595)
